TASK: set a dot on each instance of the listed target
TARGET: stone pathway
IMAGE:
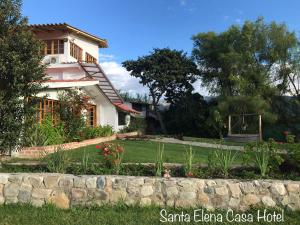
(199, 144)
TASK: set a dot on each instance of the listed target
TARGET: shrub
(85, 164)
(224, 159)
(136, 124)
(189, 156)
(72, 103)
(290, 138)
(106, 131)
(159, 160)
(45, 133)
(54, 133)
(262, 158)
(113, 155)
(58, 162)
(99, 131)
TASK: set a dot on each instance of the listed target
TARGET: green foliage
(45, 133)
(72, 103)
(136, 124)
(54, 133)
(21, 73)
(85, 163)
(34, 136)
(113, 155)
(58, 162)
(159, 162)
(239, 65)
(189, 157)
(266, 156)
(188, 116)
(138, 98)
(287, 110)
(166, 73)
(215, 120)
(290, 138)
(98, 131)
(224, 159)
(262, 159)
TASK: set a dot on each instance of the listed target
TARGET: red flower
(98, 146)
(190, 174)
(286, 133)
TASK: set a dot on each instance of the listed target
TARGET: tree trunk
(160, 120)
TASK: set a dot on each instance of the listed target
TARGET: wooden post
(229, 125)
(260, 129)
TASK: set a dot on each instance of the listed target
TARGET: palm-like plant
(224, 160)
(159, 159)
(189, 157)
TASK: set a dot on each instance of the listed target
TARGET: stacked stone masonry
(68, 190)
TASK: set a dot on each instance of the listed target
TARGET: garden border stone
(66, 190)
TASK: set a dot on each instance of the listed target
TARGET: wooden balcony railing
(76, 51)
(89, 58)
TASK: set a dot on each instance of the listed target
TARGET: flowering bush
(112, 154)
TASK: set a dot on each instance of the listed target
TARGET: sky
(134, 27)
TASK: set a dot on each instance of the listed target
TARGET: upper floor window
(54, 47)
(89, 58)
(76, 51)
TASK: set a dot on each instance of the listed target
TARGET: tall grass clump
(189, 157)
(159, 159)
(224, 159)
(58, 161)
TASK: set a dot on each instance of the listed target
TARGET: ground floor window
(91, 119)
(46, 107)
(121, 118)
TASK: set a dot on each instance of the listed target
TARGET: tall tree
(21, 72)
(166, 73)
(252, 60)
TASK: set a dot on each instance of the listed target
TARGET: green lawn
(144, 151)
(112, 215)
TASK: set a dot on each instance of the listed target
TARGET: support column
(260, 127)
(229, 125)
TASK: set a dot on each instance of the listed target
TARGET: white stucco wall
(107, 113)
(86, 45)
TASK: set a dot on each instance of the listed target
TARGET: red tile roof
(126, 108)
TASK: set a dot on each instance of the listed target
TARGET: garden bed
(285, 172)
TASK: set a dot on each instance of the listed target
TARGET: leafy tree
(165, 72)
(139, 98)
(20, 73)
(252, 60)
(187, 116)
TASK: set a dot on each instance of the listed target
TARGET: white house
(71, 56)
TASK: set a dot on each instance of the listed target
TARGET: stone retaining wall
(68, 190)
(40, 151)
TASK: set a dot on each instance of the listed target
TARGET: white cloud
(200, 89)
(238, 20)
(105, 57)
(121, 78)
